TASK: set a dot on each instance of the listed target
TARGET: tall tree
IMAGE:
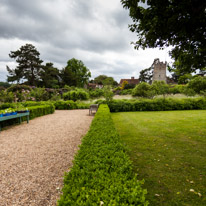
(105, 80)
(4, 84)
(75, 73)
(29, 65)
(49, 76)
(14, 75)
(179, 74)
(181, 24)
(146, 75)
(100, 79)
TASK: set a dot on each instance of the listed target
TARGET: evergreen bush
(102, 171)
(69, 105)
(75, 95)
(158, 104)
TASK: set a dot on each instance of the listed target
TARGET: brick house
(130, 81)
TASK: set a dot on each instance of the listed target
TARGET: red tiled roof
(130, 81)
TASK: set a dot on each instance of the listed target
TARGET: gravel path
(34, 157)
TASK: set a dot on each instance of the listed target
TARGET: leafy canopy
(105, 80)
(75, 73)
(49, 76)
(29, 65)
(146, 75)
(181, 24)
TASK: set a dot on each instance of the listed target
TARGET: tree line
(31, 71)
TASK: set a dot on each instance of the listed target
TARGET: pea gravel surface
(35, 156)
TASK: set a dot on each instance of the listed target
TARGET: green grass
(168, 150)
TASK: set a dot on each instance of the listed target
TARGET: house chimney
(132, 77)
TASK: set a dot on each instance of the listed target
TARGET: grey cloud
(62, 29)
(37, 21)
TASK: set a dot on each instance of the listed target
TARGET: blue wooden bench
(19, 116)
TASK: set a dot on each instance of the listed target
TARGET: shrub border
(158, 104)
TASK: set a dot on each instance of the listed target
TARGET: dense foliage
(4, 85)
(158, 104)
(67, 105)
(75, 73)
(77, 94)
(49, 76)
(146, 75)
(105, 80)
(198, 84)
(102, 172)
(143, 90)
(95, 93)
(181, 24)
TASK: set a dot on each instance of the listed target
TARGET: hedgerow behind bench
(102, 172)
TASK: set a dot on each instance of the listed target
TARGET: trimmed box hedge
(69, 105)
(102, 171)
(159, 104)
(37, 111)
(25, 104)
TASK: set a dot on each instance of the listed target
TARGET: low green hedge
(7, 105)
(34, 103)
(102, 172)
(37, 111)
(159, 104)
(25, 104)
(68, 105)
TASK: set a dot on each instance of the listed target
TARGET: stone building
(159, 70)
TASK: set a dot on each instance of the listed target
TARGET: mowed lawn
(168, 150)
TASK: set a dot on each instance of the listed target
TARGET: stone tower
(159, 70)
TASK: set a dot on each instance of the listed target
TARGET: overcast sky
(94, 31)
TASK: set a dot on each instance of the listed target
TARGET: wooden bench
(93, 107)
(19, 116)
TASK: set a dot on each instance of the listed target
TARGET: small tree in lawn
(160, 88)
(143, 90)
(108, 94)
